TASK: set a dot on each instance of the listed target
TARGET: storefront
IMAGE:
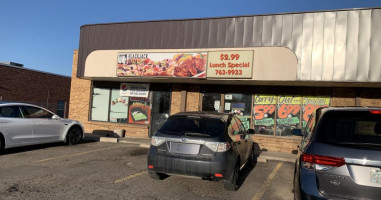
(272, 71)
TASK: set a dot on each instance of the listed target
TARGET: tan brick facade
(79, 95)
(80, 107)
(176, 98)
(81, 91)
(193, 98)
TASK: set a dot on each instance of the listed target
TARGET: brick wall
(79, 95)
(343, 97)
(30, 86)
(278, 144)
(176, 98)
(371, 97)
(193, 98)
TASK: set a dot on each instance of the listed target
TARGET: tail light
(375, 112)
(311, 161)
(218, 146)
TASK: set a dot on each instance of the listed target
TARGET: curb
(108, 139)
(260, 158)
(138, 143)
(119, 140)
(266, 158)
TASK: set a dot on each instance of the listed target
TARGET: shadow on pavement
(245, 172)
(38, 147)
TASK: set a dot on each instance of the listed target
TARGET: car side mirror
(251, 131)
(297, 132)
(56, 117)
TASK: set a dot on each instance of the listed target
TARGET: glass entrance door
(161, 102)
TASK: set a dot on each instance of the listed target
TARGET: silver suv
(340, 155)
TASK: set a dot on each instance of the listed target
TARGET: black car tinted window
(201, 127)
(350, 128)
(34, 112)
(10, 111)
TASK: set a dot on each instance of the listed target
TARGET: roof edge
(205, 18)
(34, 70)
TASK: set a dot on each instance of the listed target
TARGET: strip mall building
(271, 70)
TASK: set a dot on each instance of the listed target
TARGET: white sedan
(25, 124)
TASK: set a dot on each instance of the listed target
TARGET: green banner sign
(292, 120)
(264, 122)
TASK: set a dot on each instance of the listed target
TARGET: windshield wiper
(196, 134)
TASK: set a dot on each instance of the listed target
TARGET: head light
(157, 141)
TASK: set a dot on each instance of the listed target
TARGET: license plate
(375, 176)
(183, 148)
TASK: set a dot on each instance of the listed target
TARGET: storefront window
(278, 115)
(109, 105)
(211, 102)
(288, 114)
(118, 107)
(100, 104)
(264, 114)
(139, 111)
(310, 104)
(161, 103)
(240, 105)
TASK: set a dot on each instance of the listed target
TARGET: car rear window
(357, 129)
(195, 127)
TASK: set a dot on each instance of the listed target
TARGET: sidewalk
(263, 156)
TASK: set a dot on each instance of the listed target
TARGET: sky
(42, 34)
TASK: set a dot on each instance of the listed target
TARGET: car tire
(232, 185)
(2, 144)
(252, 158)
(157, 176)
(74, 135)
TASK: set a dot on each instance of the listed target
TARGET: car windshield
(355, 129)
(194, 127)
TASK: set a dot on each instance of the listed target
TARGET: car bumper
(306, 187)
(221, 163)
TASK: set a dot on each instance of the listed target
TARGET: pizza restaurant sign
(213, 64)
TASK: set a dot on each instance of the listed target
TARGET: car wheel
(158, 176)
(74, 136)
(252, 158)
(232, 185)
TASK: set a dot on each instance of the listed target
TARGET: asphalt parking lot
(97, 170)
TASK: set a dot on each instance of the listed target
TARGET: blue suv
(340, 155)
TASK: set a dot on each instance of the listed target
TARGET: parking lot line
(129, 177)
(263, 189)
(76, 154)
